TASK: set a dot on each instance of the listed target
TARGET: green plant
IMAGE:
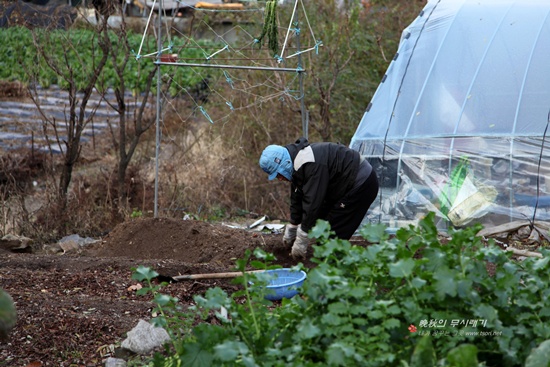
(8, 314)
(270, 28)
(244, 323)
(216, 213)
(416, 277)
(383, 305)
(167, 312)
(19, 59)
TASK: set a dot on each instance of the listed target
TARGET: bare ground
(74, 309)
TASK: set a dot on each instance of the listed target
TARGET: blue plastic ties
(228, 79)
(230, 106)
(289, 93)
(319, 43)
(205, 114)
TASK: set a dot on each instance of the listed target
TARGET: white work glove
(299, 249)
(290, 234)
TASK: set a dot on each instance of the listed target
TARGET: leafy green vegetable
(424, 353)
(77, 50)
(412, 300)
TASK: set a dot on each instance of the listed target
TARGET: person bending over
(329, 181)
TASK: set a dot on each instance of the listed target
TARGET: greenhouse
(459, 123)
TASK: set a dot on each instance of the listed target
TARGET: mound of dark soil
(190, 241)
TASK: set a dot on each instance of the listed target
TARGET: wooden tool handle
(233, 274)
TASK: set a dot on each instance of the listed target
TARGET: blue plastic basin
(283, 283)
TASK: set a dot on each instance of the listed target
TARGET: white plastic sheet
(470, 80)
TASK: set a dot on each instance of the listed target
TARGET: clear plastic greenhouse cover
(458, 125)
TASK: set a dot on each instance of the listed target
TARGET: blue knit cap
(276, 159)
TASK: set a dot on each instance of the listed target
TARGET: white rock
(144, 338)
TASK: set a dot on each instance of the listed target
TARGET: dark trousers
(347, 214)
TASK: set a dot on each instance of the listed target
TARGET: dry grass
(13, 90)
(208, 171)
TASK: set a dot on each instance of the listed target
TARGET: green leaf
(240, 264)
(465, 355)
(464, 287)
(159, 321)
(320, 230)
(410, 306)
(524, 316)
(487, 312)
(214, 299)
(544, 312)
(248, 361)
(436, 258)
(144, 273)
(393, 310)
(541, 263)
(195, 356)
(376, 314)
(230, 350)
(445, 282)
(338, 353)
(360, 321)
(262, 255)
(331, 319)
(257, 264)
(338, 308)
(374, 233)
(373, 251)
(391, 323)
(418, 282)
(307, 330)
(359, 292)
(540, 356)
(143, 291)
(402, 268)
(163, 299)
(424, 353)
(328, 249)
(541, 330)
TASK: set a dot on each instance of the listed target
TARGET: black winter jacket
(323, 173)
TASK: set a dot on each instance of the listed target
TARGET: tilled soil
(74, 309)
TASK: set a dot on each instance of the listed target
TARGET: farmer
(328, 181)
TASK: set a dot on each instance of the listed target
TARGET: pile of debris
(523, 238)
